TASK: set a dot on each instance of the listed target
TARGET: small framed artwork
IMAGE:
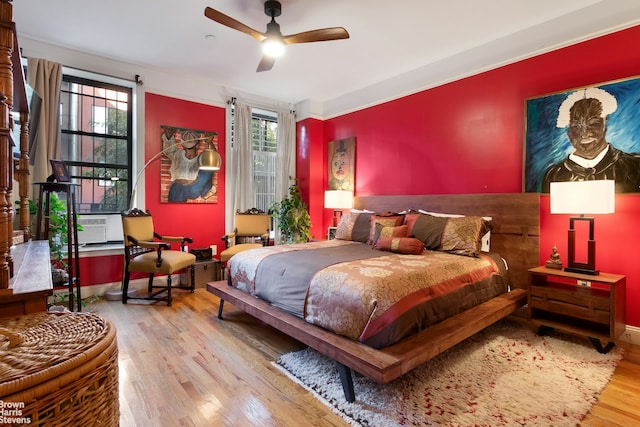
(60, 171)
(342, 162)
(331, 233)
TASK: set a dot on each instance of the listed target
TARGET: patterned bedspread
(378, 297)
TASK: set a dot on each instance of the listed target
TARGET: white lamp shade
(583, 197)
(338, 199)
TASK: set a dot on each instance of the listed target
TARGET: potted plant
(292, 215)
(57, 237)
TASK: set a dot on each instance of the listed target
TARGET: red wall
(203, 222)
(310, 171)
(468, 137)
(102, 269)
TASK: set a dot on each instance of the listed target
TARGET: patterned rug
(505, 375)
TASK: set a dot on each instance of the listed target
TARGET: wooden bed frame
(515, 236)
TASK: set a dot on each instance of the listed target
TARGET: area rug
(505, 375)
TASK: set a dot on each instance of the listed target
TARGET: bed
(376, 348)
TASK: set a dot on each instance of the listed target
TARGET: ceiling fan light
(273, 47)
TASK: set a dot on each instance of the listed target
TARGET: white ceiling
(395, 47)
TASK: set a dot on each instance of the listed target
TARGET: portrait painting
(341, 164)
(588, 133)
(181, 179)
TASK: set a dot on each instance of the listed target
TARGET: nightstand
(592, 306)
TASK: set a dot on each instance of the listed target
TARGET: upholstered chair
(146, 251)
(251, 231)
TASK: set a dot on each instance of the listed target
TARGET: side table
(592, 306)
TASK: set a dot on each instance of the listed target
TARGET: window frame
(262, 150)
(106, 83)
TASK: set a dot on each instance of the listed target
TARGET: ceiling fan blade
(321, 35)
(266, 63)
(228, 21)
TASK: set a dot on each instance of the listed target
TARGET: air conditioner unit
(94, 229)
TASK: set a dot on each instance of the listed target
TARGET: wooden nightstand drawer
(558, 300)
(587, 297)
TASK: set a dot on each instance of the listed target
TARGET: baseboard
(631, 335)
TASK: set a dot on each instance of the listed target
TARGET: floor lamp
(338, 200)
(582, 197)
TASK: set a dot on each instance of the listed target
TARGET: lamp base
(582, 271)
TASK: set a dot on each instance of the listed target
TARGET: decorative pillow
(463, 236)
(410, 219)
(458, 235)
(401, 245)
(354, 226)
(485, 244)
(384, 231)
(387, 220)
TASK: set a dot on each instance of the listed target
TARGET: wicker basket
(58, 369)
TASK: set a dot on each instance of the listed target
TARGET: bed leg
(347, 382)
(220, 309)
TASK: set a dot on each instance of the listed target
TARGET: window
(264, 130)
(96, 143)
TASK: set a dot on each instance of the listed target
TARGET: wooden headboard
(516, 221)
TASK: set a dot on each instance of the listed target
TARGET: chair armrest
(153, 245)
(229, 239)
(174, 238)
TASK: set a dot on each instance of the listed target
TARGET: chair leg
(168, 289)
(193, 278)
(150, 282)
(125, 286)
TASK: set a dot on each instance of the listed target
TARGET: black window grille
(96, 142)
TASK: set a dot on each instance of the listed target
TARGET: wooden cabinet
(593, 306)
(13, 98)
(25, 277)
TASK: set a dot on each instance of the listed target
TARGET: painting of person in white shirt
(187, 180)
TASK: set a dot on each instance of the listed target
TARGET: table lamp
(580, 198)
(338, 200)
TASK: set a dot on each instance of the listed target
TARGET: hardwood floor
(181, 366)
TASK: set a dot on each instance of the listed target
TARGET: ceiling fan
(272, 40)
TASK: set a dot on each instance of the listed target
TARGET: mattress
(372, 296)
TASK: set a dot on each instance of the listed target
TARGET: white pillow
(486, 218)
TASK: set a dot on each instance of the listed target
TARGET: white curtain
(242, 166)
(285, 156)
(45, 77)
(285, 153)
